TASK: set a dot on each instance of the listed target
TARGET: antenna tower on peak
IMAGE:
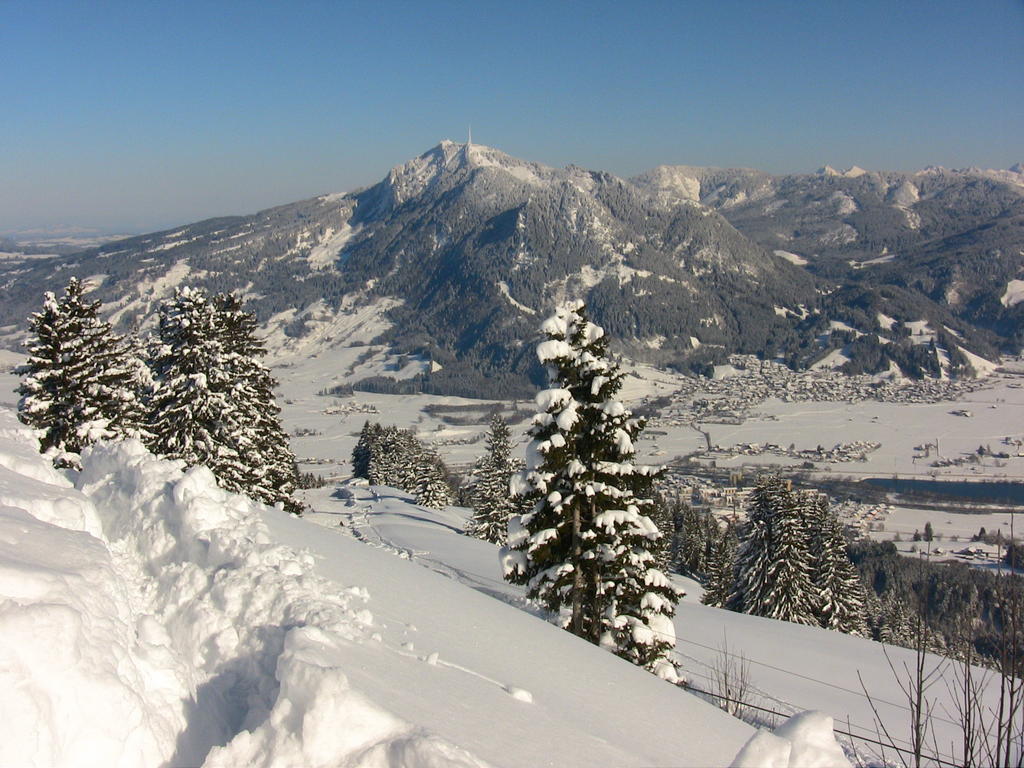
(469, 141)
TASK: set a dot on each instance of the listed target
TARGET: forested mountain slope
(457, 252)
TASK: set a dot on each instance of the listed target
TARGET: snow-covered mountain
(452, 257)
(939, 242)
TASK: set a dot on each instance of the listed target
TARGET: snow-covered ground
(149, 618)
(792, 668)
(181, 624)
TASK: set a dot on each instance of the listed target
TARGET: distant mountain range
(458, 254)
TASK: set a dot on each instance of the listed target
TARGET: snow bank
(250, 619)
(147, 618)
(85, 679)
(805, 740)
(28, 481)
(319, 717)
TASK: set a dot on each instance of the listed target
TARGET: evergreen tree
(587, 545)
(192, 416)
(841, 598)
(81, 382)
(490, 495)
(431, 487)
(874, 613)
(664, 514)
(382, 463)
(720, 579)
(394, 457)
(270, 473)
(363, 449)
(772, 562)
(138, 389)
(698, 533)
(411, 461)
(214, 402)
(896, 625)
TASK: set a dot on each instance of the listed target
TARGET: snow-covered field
(792, 668)
(996, 412)
(149, 618)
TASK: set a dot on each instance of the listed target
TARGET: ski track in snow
(359, 523)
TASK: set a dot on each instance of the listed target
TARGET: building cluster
(862, 518)
(840, 452)
(729, 501)
(348, 407)
(752, 381)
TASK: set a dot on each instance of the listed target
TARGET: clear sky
(133, 116)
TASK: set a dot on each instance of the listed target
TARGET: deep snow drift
(149, 618)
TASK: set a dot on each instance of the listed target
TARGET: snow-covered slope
(149, 618)
(793, 668)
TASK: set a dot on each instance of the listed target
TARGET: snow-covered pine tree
(137, 392)
(663, 513)
(380, 466)
(431, 487)
(897, 627)
(364, 449)
(490, 495)
(841, 598)
(80, 383)
(194, 415)
(874, 612)
(720, 574)
(411, 457)
(587, 545)
(269, 473)
(772, 562)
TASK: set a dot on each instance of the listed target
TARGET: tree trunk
(576, 623)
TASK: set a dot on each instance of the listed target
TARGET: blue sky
(138, 115)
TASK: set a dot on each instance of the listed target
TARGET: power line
(882, 744)
(859, 694)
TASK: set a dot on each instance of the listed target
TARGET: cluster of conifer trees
(198, 392)
(787, 561)
(387, 455)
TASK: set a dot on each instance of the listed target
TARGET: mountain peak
(451, 160)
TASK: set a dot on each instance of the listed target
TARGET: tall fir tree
(896, 625)
(430, 485)
(271, 474)
(587, 545)
(720, 574)
(773, 562)
(82, 382)
(840, 592)
(192, 416)
(363, 449)
(490, 494)
(664, 514)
